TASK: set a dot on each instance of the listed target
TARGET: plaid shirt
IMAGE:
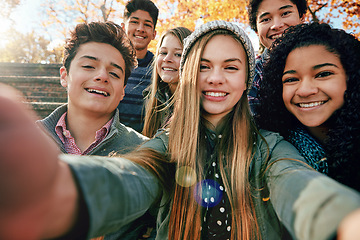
(69, 141)
(255, 86)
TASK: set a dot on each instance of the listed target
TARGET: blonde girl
(164, 81)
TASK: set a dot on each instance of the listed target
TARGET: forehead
(224, 46)
(170, 40)
(310, 56)
(141, 15)
(101, 51)
(268, 6)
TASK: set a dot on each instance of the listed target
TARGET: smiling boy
(269, 19)
(98, 59)
(140, 18)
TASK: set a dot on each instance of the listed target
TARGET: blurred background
(33, 31)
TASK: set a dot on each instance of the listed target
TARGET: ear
(154, 35)
(123, 94)
(123, 26)
(63, 77)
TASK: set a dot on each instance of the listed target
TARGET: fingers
(349, 227)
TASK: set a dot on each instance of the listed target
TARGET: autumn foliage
(62, 15)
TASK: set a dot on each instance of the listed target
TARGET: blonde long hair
(186, 149)
(154, 108)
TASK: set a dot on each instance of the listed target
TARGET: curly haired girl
(311, 96)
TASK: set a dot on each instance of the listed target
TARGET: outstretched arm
(48, 195)
(309, 204)
(38, 195)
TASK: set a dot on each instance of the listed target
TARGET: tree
(329, 11)
(63, 15)
(188, 13)
(7, 6)
(29, 48)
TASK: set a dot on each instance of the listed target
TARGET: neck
(172, 87)
(83, 126)
(320, 133)
(140, 54)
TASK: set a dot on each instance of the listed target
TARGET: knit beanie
(220, 24)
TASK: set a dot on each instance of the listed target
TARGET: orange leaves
(345, 11)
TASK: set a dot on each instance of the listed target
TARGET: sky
(25, 19)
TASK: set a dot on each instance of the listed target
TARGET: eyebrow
(180, 49)
(314, 67)
(97, 59)
(227, 60)
(281, 8)
(148, 21)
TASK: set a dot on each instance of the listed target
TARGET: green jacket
(304, 204)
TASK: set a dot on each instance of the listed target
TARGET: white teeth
(139, 37)
(215, 94)
(97, 91)
(276, 36)
(169, 69)
(309, 105)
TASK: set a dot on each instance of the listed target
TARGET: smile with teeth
(169, 69)
(90, 90)
(215, 94)
(276, 36)
(140, 37)
(309, 105)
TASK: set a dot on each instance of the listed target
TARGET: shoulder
(268, 138)
(127, 134)
(272, 145)
(51, 120)
(130, 134)
(159, 142)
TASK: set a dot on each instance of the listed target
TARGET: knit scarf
(309, 148)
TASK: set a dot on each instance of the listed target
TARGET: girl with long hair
(213, 175)
(311, 96)
(165, 77)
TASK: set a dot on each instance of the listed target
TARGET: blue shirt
(131, 108)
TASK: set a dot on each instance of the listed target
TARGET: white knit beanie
(220, 24)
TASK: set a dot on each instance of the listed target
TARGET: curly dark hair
(253, 7)
(101, 32)
(343, 139)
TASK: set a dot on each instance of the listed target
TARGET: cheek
(287, 96)
(261, 32)
(201, 80)
(177, 62)
(158, 64)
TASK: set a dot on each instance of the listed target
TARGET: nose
(102, 75)
(216, 77)
(168, 58)
(306, 88)
(140, 27)
(278, 23)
